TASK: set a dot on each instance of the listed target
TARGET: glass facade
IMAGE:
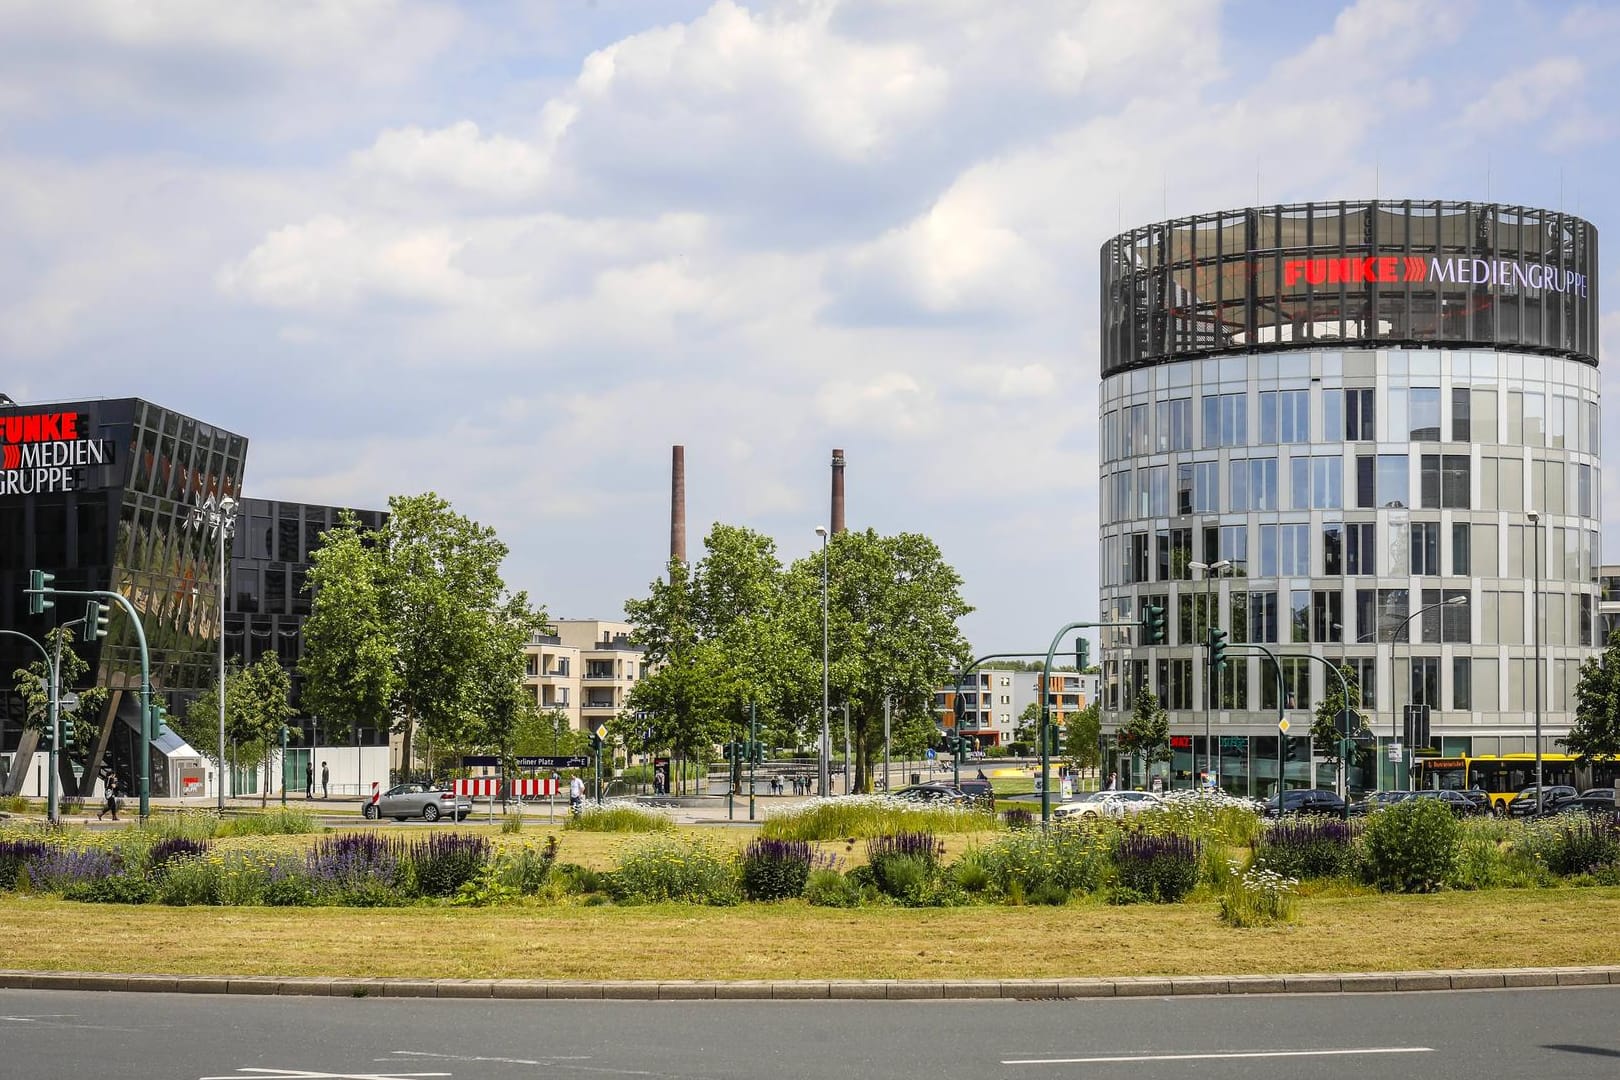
(1374, 503)
(118, 522)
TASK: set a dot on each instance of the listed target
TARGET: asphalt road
(1465, 1035)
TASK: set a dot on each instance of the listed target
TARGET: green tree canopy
(1324, 725)
(257, 705)
(1595, 734)
(29, 682)
(1147, 732)
(1081, 734)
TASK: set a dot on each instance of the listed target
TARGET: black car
(933, 793)
(1308, 801)
(1460, 804)
(1597, 801)
(1377, 800)
(1524, 803)
(979, 791)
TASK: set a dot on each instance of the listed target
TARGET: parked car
(1377, 800)
(1307, 801)
(979, 791)
(1599, 801)
(1524, 803)
(1460, 804)
(933, 793)
(1480, 799)
(418, 800)
(1107, 804)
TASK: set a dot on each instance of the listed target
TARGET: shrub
(525, 869)
(1574, 844)
(58, 868)
(117, 889)
(191, 882)
(170, 848)
(1212, 817)
(580, 879)
(1302, 848)
(280, 822)
(1258, 897)
(665, 870)
(1071, 857)
(620, 817)
(1410, 846)
(512, 825)
(444, 862)
(904, 865)
(13, 804)
(828, 888)
(1160, 868)
(865, 816)
(971, 873)
(14, 855)
(349, 868)
(1018, 818)
(290, 890)
(775, 869)
(196, 824)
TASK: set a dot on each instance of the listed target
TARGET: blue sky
(513, 251)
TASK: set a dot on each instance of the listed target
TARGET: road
(1546, 1034)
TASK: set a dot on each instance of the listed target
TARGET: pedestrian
(981, 775)
(326, 781)
(576, 796)
(1113, 781)
(309, 779)
(111, 805)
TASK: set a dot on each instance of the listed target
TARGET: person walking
(111, 805)
(326, 782)
(576, 796)
(309, 779)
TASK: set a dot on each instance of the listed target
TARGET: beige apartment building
(608, 665)
(552, 671)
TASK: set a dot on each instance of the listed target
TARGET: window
(1225, 420)
(1181, 554)
(1425, 687)
(1174, 425)
(1361, 547)
(1137, 440)
(1184, 489)
(1366, 488)
(1462, 683)
(1235, 545)
(1238, 486)
(1332, 550)
(1268, 551)
(1137, 568)
(1206, 498)
(1425, 414)
(1294, 550)
(1175, 683)
(1161, 553)
(1262, 483)
(1393, 480)
(1233, 685)
(1449, 622)
(1445, 481)
(1262, 616)
(1158, 491)
(1327, 483)
(1360, 415)
(1327, 615)
(1332, 415)
(1364, 673)
(1285, 416)
(1299, 615)
(1296, 685)
(1535, 419)
(1459, 549)
(1460, 399)
(1425, 547)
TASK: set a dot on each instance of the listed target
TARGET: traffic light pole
(51, 813)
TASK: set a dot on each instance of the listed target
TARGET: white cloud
(458, 157)
(1525, 95)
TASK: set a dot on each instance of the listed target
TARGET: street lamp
(1395, 718)
(826, 736)
(1210, 571)
(221, 518)
(1535, 524)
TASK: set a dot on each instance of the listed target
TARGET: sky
(512, 252)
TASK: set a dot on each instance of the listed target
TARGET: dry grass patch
(1361, 933)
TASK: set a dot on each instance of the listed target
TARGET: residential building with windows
(553, 671)
(1380, 421)
(608, 665)
(995, 698)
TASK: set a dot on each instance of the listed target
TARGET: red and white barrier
(528, 789)
(488, 787)
(376, 793)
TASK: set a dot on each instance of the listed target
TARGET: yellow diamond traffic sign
(601, 730)
(1282, 725)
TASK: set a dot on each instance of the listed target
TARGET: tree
(1324, 726)
(1081, 735)
(893, 608)
(257, 706)
(1595, 734)
(1147, 732)
(548, 733)
(414, 623)
(1028, 727)
(30, 684)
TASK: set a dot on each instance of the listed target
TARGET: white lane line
(1221, 1056)
(474, 1057)
(303, 1074)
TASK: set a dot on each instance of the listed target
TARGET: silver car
(418, 800)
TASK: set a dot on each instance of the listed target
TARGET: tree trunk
(407, 732)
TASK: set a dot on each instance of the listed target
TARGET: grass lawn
(1355, 933)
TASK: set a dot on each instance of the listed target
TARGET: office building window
(1361, 547)
(1332, 549)
(1460, 427)
(1327, 615)
(1294, 550)
(1263, 616)
(1459, 549)
(1425, 688)
(1235, 545)
(1206, 497)
(1426, 548)
(1285, 416)
(1450, 623)
(1462, 683)
(1174, 427)
(1225, 420)
(1425, 415)
(1332, 415)
(1364, 673)
(1299, 615)
(1393, 481)
(1360, 415)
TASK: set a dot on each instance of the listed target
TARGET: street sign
(1348, 721)
(1395, 750)
(68, 702)
(473, 761)
(959, 706)
(1282, 725)
(573, 761)
(601, 731)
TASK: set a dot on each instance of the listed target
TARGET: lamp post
(1210, 570)
(825, 756)
(1395, 720)
(220, 517)
(1535, 626)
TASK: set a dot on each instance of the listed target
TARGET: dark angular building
(98, 493)
(268, 603)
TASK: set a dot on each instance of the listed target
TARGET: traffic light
(38, 582)
(1082, 653)
(1153, 620)
(758, 755)
(1217, 648)
(1054, 740)
(66, 720)
(961, 749)
(160, 720)
(95, 622)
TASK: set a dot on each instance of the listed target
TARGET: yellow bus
(1504, 776)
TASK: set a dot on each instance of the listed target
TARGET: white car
(1107, 804)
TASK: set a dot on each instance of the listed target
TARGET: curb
(823, 989)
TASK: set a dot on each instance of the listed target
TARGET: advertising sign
(44, 453)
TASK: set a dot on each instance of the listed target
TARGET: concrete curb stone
(814, 989)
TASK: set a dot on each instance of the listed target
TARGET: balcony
(599, 676)
(590, 705)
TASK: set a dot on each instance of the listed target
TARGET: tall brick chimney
(677, 504)
(837, 492)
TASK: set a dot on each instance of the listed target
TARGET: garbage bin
(916, 778)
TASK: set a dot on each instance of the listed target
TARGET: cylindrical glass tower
(1346, 430)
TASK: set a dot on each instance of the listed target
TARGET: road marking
(1221, 1056)
(248, 1073)
(558, 1062)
